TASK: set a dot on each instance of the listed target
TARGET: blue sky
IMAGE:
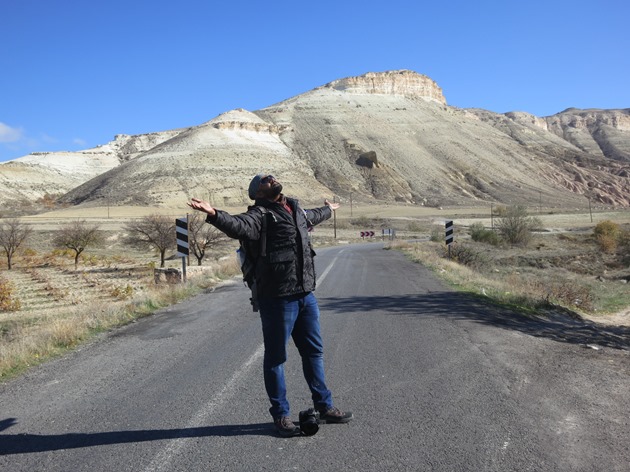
(75, 73)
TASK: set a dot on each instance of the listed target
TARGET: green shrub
(624, 242)
(437, 234)
(607, 243)
(343, 223)
(465, 255)
(568, 293)
(479, 233)
(608, 235)
(500, 210)
(607, 227)
(362, 221)
(516, 226)
(414, 227)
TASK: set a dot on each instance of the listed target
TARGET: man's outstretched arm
(316, 215)
(246, 225)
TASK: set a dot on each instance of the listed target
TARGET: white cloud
(79, 142)
(10, 135)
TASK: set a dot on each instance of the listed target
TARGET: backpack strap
(263, 229)
(263, 232)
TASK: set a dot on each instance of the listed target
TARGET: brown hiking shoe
(285, 427)
(335, 415)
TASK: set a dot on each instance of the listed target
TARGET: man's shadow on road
(28, 443)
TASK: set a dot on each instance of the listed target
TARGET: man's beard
(272, 192)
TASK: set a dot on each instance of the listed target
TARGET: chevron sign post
(448, 225)
(181, 229)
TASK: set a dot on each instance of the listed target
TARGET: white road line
(328, 269)
(162, 460)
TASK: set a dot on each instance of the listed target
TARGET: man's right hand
(197, 204)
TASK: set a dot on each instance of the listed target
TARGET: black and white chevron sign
(448, 225)
(181, 227)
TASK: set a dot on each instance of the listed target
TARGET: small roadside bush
(500, 210)
(607, 227)
(516, 226)
(568, 293)
(479, 233)
(7, 300)
(624, 242)
(343, 223)
(608, 235)
(361, 221)
(437, 234)
(465, 255)
(414, 227)
(122, 292)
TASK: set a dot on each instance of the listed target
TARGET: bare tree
(202, 236)
(154, 231)
(13, 232)
(78, 236)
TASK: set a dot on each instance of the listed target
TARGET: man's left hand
(333, 206)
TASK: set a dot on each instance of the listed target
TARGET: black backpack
(250, 252)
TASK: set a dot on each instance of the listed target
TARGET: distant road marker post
(448, 226)
(389, 232)
(181, 229)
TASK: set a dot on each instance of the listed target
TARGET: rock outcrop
(405, 83)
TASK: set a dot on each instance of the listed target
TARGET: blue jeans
(296, 316)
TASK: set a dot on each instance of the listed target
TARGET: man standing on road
(285, 280)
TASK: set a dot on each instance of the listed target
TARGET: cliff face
(405, 83)
(598, 132)
(588, 150)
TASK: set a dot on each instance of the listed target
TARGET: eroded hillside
(382, 136)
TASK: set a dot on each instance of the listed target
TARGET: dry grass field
(56, 306)
(562, 268)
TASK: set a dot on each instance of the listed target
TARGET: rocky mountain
(214, 161)
(382, 136)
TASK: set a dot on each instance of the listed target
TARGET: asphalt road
(438, 381)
